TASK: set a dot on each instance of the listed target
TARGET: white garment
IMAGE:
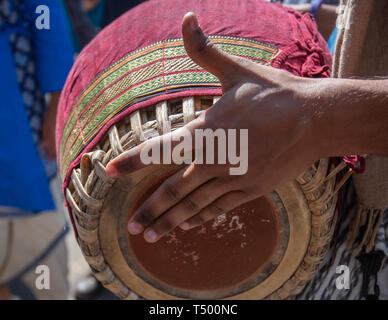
(28, 241)
(323, 285)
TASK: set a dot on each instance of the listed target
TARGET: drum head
(234, 256)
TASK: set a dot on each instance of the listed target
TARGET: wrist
(347, 116)
(301, 102)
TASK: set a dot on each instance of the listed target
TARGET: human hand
(270, 103)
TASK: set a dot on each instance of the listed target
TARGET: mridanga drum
(269, 247)
(141, 87)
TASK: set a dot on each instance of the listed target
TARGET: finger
(186, 208)
(222, 205)
(143, 154)
(170, 192)
(227, 68)
(202, 51)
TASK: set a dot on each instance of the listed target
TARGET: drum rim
(300, 229)
(113, 241)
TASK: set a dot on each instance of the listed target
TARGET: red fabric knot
(355, 162)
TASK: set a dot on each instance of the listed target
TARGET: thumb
(204, 53)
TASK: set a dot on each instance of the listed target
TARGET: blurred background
(39, 42)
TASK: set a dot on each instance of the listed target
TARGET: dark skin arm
(292, 122)
(48, 127)
(5, 293)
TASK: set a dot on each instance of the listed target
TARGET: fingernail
(184, 226)
(150, 236)
(111, 171)
(135, 228)
(194, 22)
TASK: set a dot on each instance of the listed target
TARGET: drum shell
(309, 201)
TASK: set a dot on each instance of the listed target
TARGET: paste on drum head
(223, 253)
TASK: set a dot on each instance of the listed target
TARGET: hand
(270, 103)
(48, 127)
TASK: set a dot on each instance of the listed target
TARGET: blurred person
(34, 62)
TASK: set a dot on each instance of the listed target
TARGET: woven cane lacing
(89, 185)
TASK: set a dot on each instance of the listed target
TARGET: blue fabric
(332, 40)
(315, 4)
(53, 48)
(24, 184)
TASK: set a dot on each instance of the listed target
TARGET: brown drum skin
(221, 254)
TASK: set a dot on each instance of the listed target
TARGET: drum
(118, 96)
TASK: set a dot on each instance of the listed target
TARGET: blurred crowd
(35, 63)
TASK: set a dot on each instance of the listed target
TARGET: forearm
(54, 99)
(48, 129)
(82, 26)
(349, 116)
